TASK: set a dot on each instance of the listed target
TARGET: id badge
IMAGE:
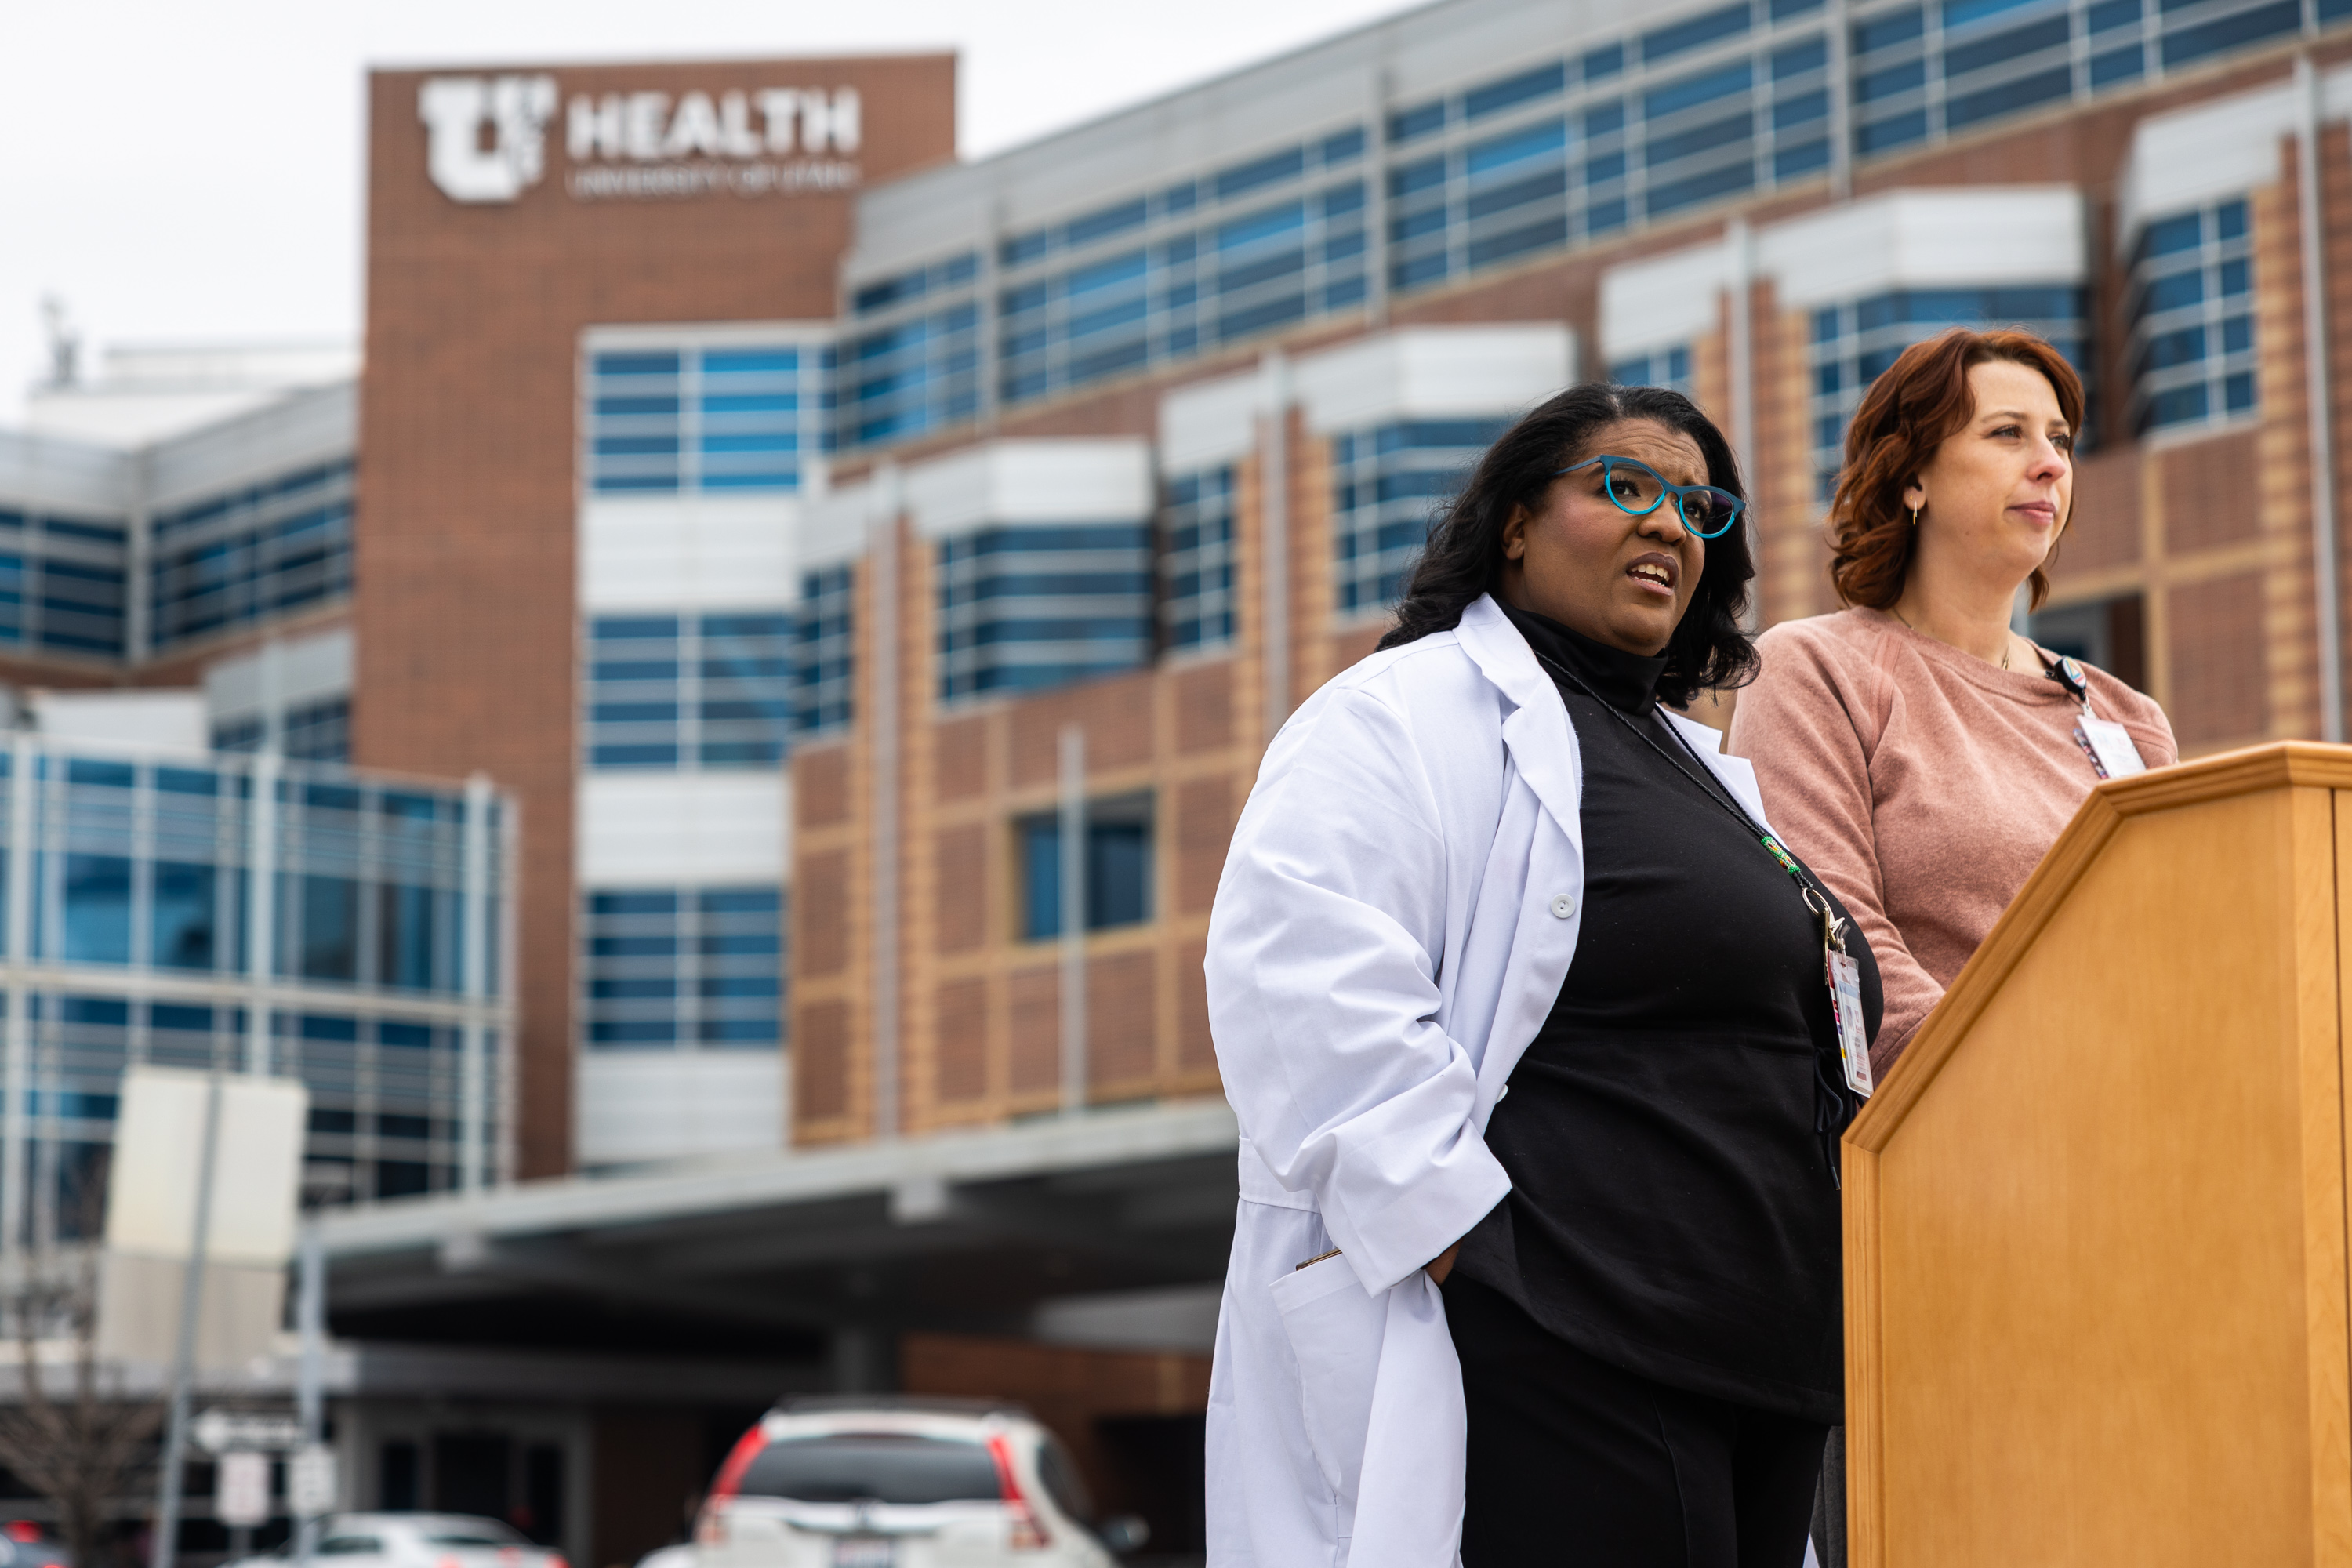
(1845, 1008)
(2110, 746)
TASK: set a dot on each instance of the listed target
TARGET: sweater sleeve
(1802, 723)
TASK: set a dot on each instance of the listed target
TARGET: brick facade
(467, 506)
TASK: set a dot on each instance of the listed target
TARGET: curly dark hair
(1710, 648)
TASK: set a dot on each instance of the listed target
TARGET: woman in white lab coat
(1598, 1324)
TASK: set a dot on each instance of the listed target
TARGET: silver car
(834, 1483)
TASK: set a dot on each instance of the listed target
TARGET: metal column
(1274, 532)
(2317, 353)
(261, 909)
(882, 558)
(1073, 805)
(473, 1089)
(24, 799)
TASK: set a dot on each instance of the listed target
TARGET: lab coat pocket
(1335, 1331)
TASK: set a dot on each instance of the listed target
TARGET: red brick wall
(465, 514)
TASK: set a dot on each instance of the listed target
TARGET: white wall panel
(1211, 422)
(1103, 480)
(680, 829)
(1435, 373)
(635, 1107)
(688, 552)
(1958, 237)
(1663, 301)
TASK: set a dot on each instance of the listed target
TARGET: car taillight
(555, 1560)
(738, 1459)
(1028, 1533)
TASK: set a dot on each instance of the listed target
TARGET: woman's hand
(1439, 1267)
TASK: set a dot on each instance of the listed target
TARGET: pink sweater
(1921, 784)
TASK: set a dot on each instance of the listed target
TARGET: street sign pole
(165, 1546)
(310, 1317)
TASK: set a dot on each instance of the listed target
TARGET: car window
(881, 1467)
(1063, 1484)
(350, 1545)
(473, 1538)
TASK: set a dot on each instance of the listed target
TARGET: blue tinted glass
(2238, 392)
(750, 362)
(1245, 177)
(1534, 141)
(1541, 82)
(329, 936)
(1344, 146)
(1879, 32)
(1108, 221)
(1041, 879)
(180, 936)
(1814, 53)
(636, 364)
(2230, 219)
(2007, 97)
(1977, 54)
(1605, 61)
(2238, 335)
(2274, 20)
(1783, 9)
(97, 909)
(2106, 16)
(1662, 42)
(2117, 65)
(1960, 12)
(405, 934)
(1118, 868)
(1406, 124)
(1710, 88)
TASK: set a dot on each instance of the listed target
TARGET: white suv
(883, 1483)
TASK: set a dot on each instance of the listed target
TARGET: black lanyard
(1831, 1110)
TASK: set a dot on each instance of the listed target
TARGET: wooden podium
(2095, 1220)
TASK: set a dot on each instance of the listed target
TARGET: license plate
(865, 1551)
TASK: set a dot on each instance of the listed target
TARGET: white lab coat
(1398, 910)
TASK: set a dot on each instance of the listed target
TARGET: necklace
(1909, 628)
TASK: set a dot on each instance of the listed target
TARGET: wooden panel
(2096, 1223)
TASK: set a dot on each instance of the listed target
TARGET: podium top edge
(2278, 765)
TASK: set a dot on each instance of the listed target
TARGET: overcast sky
(191, 171)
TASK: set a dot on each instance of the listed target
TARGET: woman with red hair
(1919, 751)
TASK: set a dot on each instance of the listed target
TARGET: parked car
(680, 1555)
(414, 1540)
(24, 1545)
(905, 1483)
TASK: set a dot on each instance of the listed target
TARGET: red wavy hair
(1920, 402)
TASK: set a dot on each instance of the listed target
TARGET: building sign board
(486, 140)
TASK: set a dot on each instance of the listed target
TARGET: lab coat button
(1563, 906)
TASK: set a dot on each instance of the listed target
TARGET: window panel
(682, 968)
(1387, 484)
(693, 691)
(1116, 877)
(2193, 345)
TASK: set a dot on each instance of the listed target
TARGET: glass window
(823, 653)
(885, 1467)
(1025, 607)
(737, 418)
(1388, 485)
(680, 968)
(1196, 561)
(2192, 341)
(258, 551)
(1661, 43)
(692, 692)
(1118, 874)
(97, 909)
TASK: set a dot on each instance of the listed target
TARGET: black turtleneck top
(1668, 1133)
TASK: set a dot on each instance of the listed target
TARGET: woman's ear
(1515, 533)
(1914, 496)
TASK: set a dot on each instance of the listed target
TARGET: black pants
(1573, 1462)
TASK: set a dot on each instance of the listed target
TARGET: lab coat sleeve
(1800, 723)
(1323, 991)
